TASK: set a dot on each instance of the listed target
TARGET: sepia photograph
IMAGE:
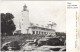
(33, 26)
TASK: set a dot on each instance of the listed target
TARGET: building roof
(43, 28)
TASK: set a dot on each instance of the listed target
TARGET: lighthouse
(25, 23)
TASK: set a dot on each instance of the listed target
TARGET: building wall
(39, 31)
(25, 22)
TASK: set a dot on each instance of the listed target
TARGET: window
(33, 32)
(39, 32)
(36, 32)
(42, 33)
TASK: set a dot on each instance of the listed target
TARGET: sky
(40, 12)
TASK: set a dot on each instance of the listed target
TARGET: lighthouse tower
(25, 20)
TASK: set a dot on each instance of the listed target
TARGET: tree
(7, 24)
(3, 23)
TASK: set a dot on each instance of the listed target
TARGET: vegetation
(7, 24)
(61, 35)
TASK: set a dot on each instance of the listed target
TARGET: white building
(29, 28)
(25, 23)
